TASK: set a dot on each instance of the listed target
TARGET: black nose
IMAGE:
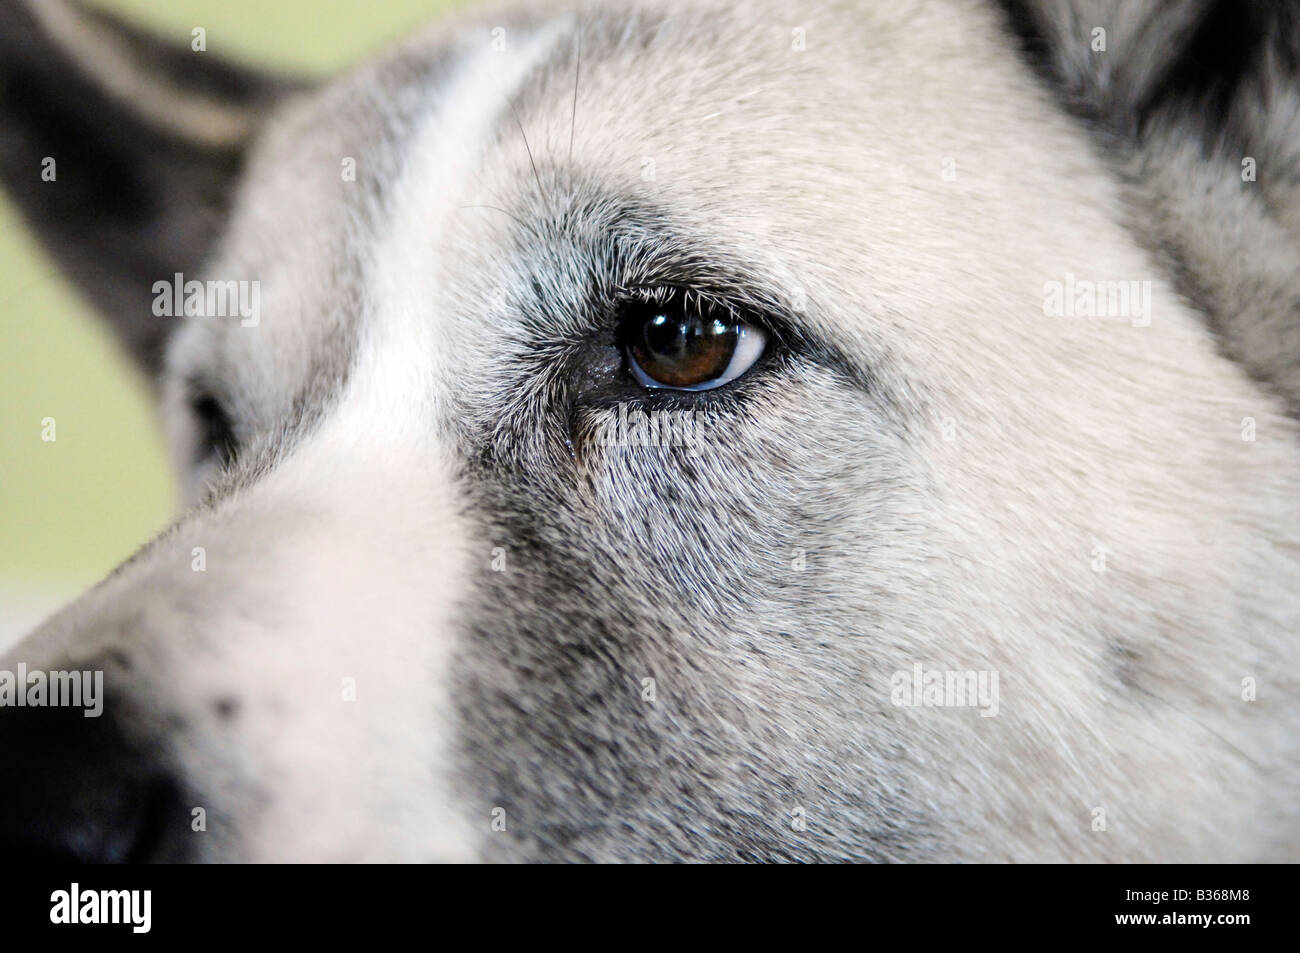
(79, 789)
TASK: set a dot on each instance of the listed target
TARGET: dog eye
(216, 441)
(674, 345)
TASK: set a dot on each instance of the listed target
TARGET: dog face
(632, 407)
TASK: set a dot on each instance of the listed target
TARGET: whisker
(577, 72)
(537, 178)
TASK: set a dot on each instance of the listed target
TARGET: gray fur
(921, 472)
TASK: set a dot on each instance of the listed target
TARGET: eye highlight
(673, 343)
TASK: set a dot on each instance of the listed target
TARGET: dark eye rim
(216, 431)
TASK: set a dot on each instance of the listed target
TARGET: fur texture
(925, 467)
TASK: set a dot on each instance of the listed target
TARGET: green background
(72, 509)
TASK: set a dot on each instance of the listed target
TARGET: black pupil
(684, 349)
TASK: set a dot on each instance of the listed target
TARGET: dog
(685, 431)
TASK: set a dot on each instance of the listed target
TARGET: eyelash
(661, 293)
(782, 340)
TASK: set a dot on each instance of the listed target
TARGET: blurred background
(72, 509)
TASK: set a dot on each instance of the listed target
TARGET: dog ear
(122, 151)
(1200, 99)
(1124, 63)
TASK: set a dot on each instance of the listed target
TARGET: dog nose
(79, 789)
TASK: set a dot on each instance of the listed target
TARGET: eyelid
(746, 304)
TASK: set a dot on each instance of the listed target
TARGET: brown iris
(681, 348)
